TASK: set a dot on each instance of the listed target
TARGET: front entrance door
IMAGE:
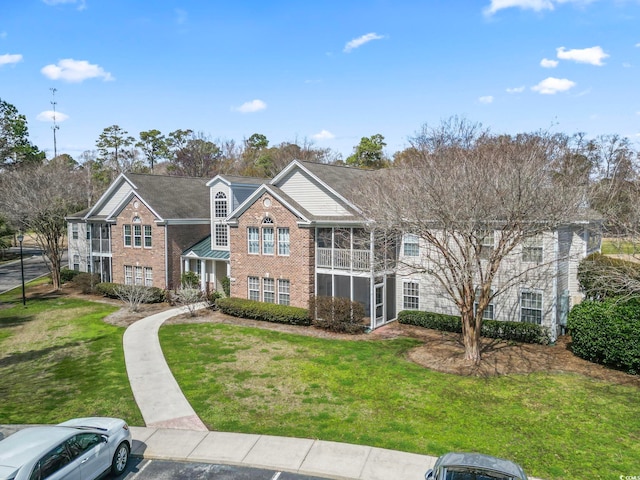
(379, 307)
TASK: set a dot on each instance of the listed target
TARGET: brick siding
(297, 267)
(180, 237)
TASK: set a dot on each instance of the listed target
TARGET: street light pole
(24, 299)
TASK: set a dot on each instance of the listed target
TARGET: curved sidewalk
(156, 391)
(174, 431)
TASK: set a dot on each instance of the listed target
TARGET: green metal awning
(202, 249)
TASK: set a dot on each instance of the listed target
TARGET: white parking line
(141, 470)
(276, 476)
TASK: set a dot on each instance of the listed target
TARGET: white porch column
(203, 275)
(186, 265)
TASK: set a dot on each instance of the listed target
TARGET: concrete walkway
(174, 431)
(156, 391)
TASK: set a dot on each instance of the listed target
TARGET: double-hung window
(253, 239)
(254, 288)
(74, 231)
(486, 243)
(267, 237)
(411, 245)
(76, 262)
(222, 239)
(411, 295)
(284, 292)
(532, 249)
(128, 275)
(283, 241)
(147, 236)
(127, 235)
(531, 307)
(269, 290)
(137, 235)
(138, 279)
(148, 277)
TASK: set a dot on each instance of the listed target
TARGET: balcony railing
(100, 245)
(342, 259)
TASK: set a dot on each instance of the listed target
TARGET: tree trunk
(471, 338)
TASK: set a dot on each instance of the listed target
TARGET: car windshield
(470, 473)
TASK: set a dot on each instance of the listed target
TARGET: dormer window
(220, 205)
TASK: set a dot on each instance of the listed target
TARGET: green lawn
(616, 246)
(558, 426)
(59, 360)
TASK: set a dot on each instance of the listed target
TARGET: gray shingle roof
(341, 178)
(173, 197)
(244, 180)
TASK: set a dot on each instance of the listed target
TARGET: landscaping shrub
(213, 298)
(67, 275)
(190, 280)
(86, 282)
(337, 314)
(511, 331)
(607, 332)
(268, 312)
(603, 277)
(226, 286)
(111, 290)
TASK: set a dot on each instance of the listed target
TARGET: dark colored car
(474, 466)
(79, 449)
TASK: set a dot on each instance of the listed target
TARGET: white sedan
(79, 449)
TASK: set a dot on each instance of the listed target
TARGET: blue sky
(331, 72)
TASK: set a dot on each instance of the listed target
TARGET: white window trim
(404, 295)
(287, 244)
(145, 236)
(535, 291)
(257, 242)
(281, 293)
(405, 242)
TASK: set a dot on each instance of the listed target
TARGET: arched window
(220, 205)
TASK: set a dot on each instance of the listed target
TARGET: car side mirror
(105, 439)
(429, 474)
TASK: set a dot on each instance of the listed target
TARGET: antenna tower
(55, 125)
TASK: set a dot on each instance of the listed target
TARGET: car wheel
(120, 459)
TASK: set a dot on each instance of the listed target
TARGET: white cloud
(250, 107)
(323, 135)
(47, 116)
(638, 44)
(75, 71)
(358, 42)
(535, 5)
(486, 99)
(3, 35)
(591, 55)
(9, 58)
(626, 65)
(516, 89)
(81, 3)
(551, 86)
(546, 63)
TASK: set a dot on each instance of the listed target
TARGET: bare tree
(37, 199)
(134, 295)
(471, 198)
(190, 298)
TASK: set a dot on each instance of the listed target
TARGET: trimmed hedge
(337, 314)
(603, 277)
(86, 282)
(67, 275)
(108, 289)
(268, 312)
(607, 332)
(503, 330)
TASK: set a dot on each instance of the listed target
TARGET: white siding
(311, 195)
(79, 246)
(115, 200)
